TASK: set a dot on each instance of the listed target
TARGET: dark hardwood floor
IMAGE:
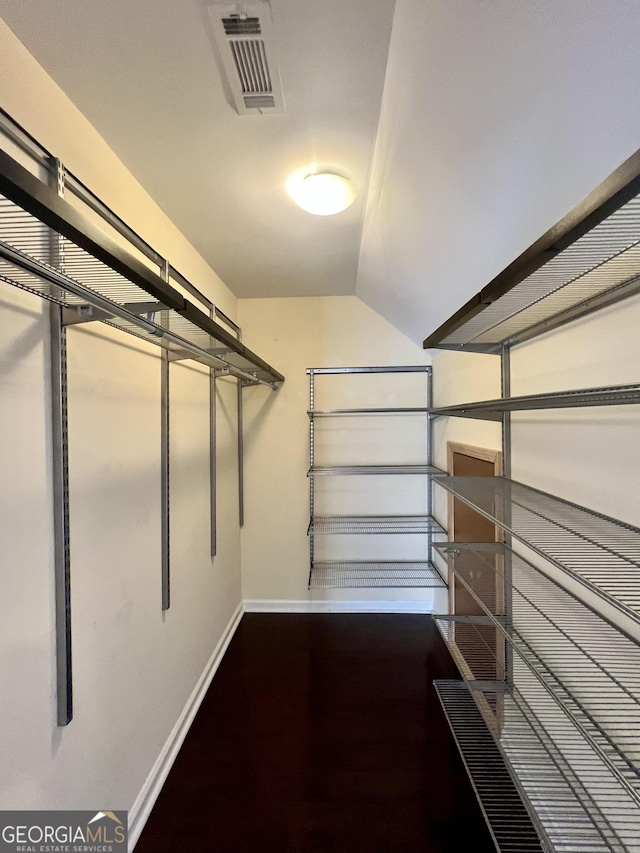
(321, 733)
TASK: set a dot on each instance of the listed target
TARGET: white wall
(497, 118)
(296, 334)
(588, 456)
(462, 378)
(134, 667)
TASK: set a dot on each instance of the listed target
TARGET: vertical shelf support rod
(60, 453)
(505, 387)
(212, 453)
(165, 471)
(240, 454)
(238, 332)
(430, 460)
(311, 457)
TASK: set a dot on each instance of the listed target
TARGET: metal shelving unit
(551, 659)
(585, 665)
(588, 260)
(60, 242)
(566, 816)
(96, 279)
(600, 553)
(338, 413)
(371, 572)
(357, 470)
(383, 524)
(493, 410)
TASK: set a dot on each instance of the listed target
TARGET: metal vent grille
(234, 25)
(247, 50)
(259, 102)
(250, 59)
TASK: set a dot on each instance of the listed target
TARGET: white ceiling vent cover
(244, 36)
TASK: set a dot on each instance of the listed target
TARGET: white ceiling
(145, 74)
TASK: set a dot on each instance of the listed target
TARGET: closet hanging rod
(110, 308)
(28, 192)
(27, 143)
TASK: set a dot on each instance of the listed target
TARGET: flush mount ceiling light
(322, 193)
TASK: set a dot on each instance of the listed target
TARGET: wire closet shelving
(47, 247)
(372, 572)
(60, 242)
(550, 655)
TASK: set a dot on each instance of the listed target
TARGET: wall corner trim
(141, 809)
(335, 606)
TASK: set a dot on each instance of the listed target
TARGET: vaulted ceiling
(468, 127)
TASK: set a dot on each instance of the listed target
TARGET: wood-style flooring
(321, 734)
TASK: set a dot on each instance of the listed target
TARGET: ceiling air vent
(237, 26)
(245, 40)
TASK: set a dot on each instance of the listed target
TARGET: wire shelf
(473, 642)
(600, 267)
(600, 552)
(374, 524)
(356, 470)
(591, 669)
(576, 798)
(390, 368)
(374, 573)
(130, 295)
(492, 410)
(506, 815)
(335, 413)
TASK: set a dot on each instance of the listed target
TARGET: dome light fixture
(321, 193)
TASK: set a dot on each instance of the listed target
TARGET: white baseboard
(141, 809)
(287, 606)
